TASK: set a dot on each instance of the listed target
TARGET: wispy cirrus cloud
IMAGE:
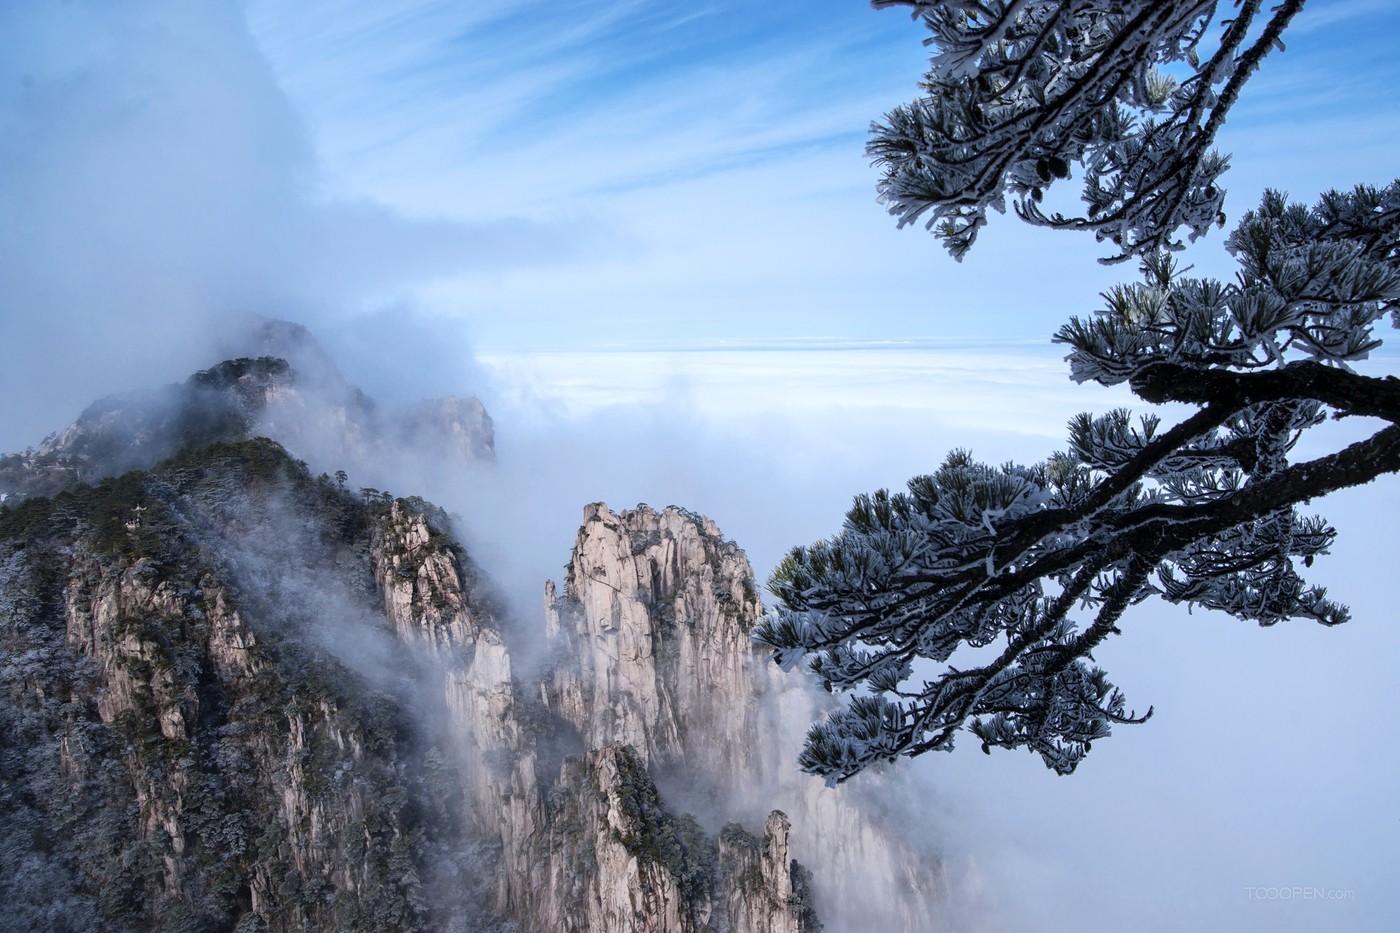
(716, 150)
(611, 96)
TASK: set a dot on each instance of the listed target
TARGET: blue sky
(706, 160)
(510, 178)
(668, 198)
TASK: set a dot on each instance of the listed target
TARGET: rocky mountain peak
(139, 429)
(657, 610)
(306, 406)
(452, 428)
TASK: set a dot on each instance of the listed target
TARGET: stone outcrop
(656, 614)
(560, 770)
(450, 429)
(762, 881)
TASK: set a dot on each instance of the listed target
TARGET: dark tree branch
(1345, 391)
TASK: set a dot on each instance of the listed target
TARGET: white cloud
(153, 176)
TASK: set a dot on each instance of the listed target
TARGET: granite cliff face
(655, 621)
(238, 696)
(653, 632)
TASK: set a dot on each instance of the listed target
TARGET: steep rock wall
(657, 612)
(193, 757)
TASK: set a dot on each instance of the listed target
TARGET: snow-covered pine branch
(1018, 92)
(1044, 560)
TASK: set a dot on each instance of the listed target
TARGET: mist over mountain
(242, 694)
(281, 384)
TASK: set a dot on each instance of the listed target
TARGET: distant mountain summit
(293, 394)
(137, 430)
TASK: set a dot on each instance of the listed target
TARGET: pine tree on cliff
(1038, 564)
